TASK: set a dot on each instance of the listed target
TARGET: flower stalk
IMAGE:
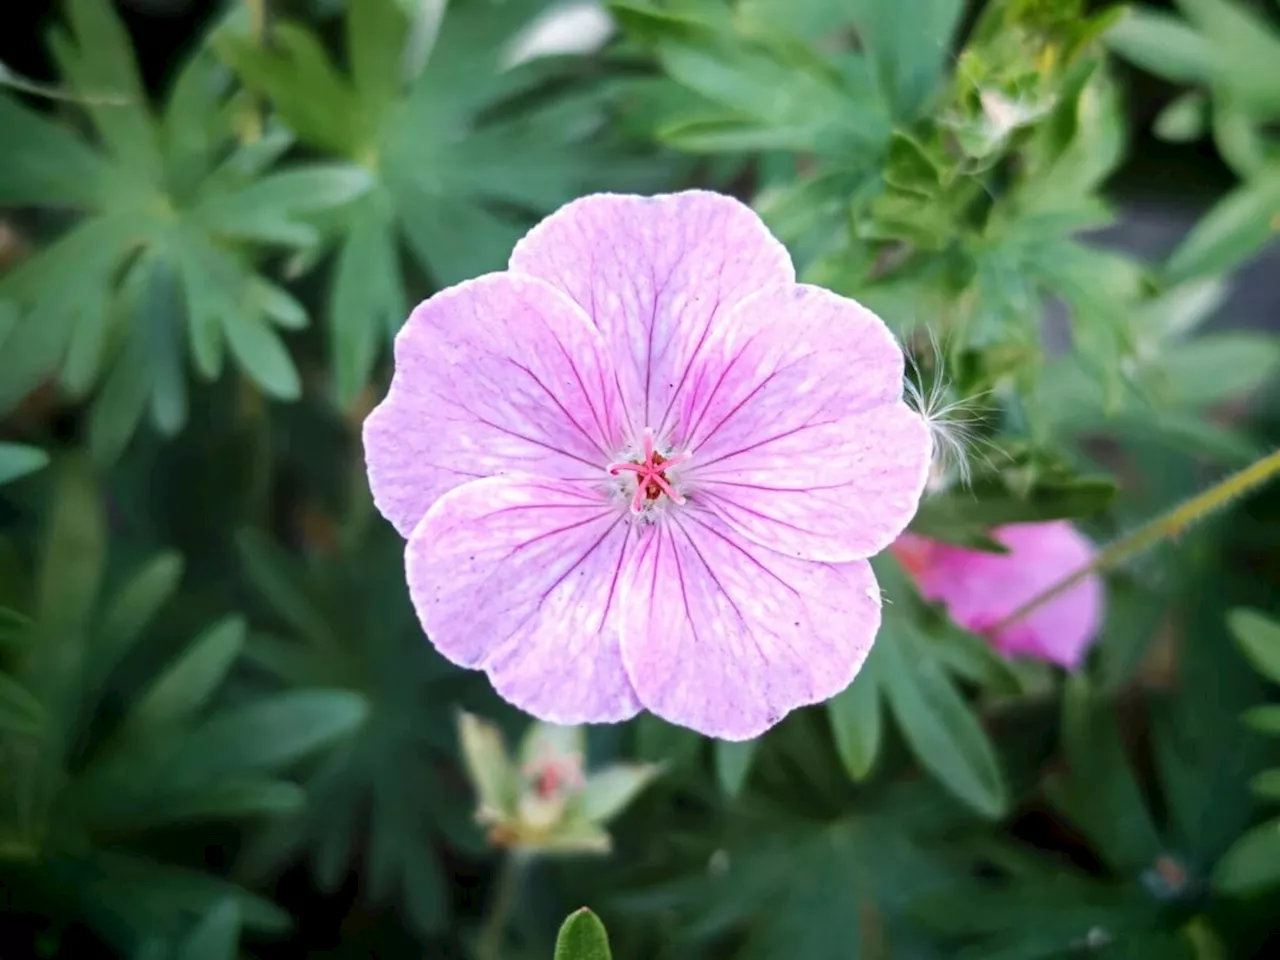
(1170, 524)
(489, 946)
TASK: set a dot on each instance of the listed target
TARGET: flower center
(651, 474)
(552, 777)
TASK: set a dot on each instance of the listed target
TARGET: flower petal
(655, 274)
(799, 435)
(726, 637)
(501, 374)
(980, 589)
(517, 576)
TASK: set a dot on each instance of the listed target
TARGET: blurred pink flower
(980, 589)
(642, 468)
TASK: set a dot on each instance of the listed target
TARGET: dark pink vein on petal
(556, 400)
(590, 550)
(768, 440)
(777, 371)
(617, 572)
(602, 443)
(684, 592)
(540, 443)
(721, 499)
(565, 529)
(750, 557)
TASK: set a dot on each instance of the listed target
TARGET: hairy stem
(1167, 525)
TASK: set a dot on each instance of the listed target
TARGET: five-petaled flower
(981, 589)
(643, 468)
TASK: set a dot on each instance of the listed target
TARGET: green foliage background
(221, 731)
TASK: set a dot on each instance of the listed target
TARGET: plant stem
(1167, 525)
(257, 10)
(489, 945)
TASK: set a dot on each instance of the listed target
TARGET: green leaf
(1242, 39)
(733, 763)
(43, 164)
(1101, 794)
(110, 797)
(1204, 754)
(20, 712)
(54, 290)
(426, 892)
(267, 210)
(1219, 366)
(129, 889)
(150, 365)
(368, 299)
(192, 127)
(376, 34)
(728, 135)
(455, 240)
(763, 81)
(17, 461)
(1259, 637)
(811, 19)
(13, 626)
(582, 937)
(1252, 863)
(74, 551)
(229, 800)
(135, 606)
(938, 725)
(855, 716)
(271, 733)
(1239, 137)
(296, 74)
(1235, 229)
(907, 52)
(1267, 784)
(188, 683)
(1164, 45)
(158, 325)
(275, 576)
(1184, 119)
(216, 936)
(121, 402)
(1180, 310)
(88, 346)
(262, 354)
(660, 742)
(956, 515)
(1266, 719)
(105, 74)
(974, 659)
(8, 319)
(608, 792)
(277, 304)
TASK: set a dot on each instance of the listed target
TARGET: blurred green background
(222, 732)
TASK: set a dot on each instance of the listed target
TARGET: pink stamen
(665, 487)
(651, 477)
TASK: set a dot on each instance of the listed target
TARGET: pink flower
(980, 589)
(642, 468)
